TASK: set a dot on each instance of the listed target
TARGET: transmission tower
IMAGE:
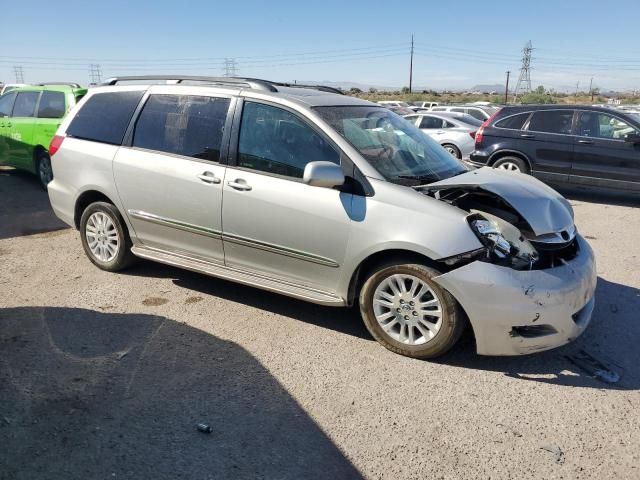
(524, 80)
(230, 67)
(18, 70)
(95, 73)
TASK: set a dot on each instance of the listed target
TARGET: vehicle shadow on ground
(615, 348)
(104, 395)
(25, 207)
(343, 320)
(611, 339)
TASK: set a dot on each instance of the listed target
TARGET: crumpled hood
(544, 209)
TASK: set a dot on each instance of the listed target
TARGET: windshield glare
(393, 146)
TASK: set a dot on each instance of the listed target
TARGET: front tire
(105, 238)
(408, 313)
(512, 164)
(44, 170)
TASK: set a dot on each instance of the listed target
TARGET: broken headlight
(504, 242)
(491, 236)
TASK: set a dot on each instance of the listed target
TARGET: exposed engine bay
(507, 236)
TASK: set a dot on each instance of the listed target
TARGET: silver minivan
(326, 198)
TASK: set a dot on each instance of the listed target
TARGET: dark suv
(580, 144)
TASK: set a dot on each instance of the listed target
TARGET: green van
(29, 118)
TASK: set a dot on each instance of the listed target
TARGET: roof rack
(46, 84)
(224, 81)
(321, 88)
(255, 83)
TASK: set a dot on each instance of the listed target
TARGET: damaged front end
(531, 286)
(520, 224)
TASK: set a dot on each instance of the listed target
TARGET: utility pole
(411, 67)
(524, 80)
(19, 72)
(591, 89)
(506, 89)
(576, 97)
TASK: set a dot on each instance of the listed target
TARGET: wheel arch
(37, 151)
(509, 153)
(85, 199)
(380, 259)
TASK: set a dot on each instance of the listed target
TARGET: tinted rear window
(182, 124)
(51, 105)
(25, 105)
(514, 122)
(551, 121)
(105, 117)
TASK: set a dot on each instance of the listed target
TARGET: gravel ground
(106, 375)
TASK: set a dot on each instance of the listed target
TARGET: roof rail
(322, 88)
(224, 81)
(46, 84)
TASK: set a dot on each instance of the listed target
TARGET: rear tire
(419, 322)
(44, 170)
(105, 238)
(512, 164)
(453, 150)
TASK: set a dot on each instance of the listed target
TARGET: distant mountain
(487, 88)
(346, 85)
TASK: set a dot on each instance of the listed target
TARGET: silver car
(326, 198)
(456, 132)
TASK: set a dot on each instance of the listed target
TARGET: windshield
(393, 146)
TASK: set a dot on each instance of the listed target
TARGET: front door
(21, 130)
(602, 157)
(170, 178)
(273, 222)
(548, 142)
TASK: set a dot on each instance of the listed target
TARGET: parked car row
(578, 145)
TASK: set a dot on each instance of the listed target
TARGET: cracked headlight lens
(490, 235)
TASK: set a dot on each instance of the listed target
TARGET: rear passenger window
(276, 141)
(6, 104)
(514, 122)
(51, 105)
(183, 125)
(25, 105)
(105, 116)
(551, 121)
(475, 113)
(431, 122)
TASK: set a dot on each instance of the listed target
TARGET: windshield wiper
(420, 178)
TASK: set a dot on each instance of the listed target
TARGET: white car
(10, 86)
(481, 112)
(454, 131)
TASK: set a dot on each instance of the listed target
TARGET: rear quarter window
(105, 116)
(513, 122)
(51, 105)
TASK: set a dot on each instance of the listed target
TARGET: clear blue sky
(458, 43)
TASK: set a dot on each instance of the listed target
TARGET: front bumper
(516, 312)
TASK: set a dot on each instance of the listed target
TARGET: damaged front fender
(516, 312)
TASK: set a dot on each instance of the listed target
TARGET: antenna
(524, 80)
(19, 72)
(230, 67)
(95, 73)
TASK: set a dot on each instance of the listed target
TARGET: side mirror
(632, 138)
(323, 174)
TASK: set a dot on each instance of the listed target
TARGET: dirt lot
(106, 375)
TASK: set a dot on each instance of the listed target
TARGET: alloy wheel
(407, 309)
(102, 236)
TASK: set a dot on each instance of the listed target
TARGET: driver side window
(276, 141)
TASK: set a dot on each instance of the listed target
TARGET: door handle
(527, 135)
(588, 142)
(440, 132)
(239, 184)
(209, 177)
